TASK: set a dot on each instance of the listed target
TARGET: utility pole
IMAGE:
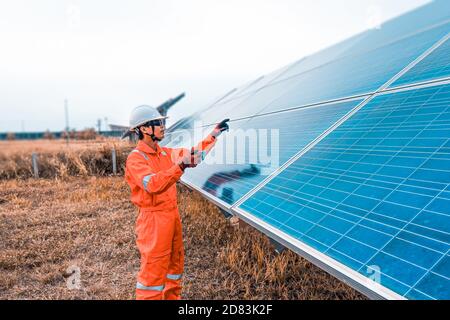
(99, 125)
(66, 110)
(23, 125)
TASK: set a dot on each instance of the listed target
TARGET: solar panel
(264, 80)
(222, 110)
(374, 194)
(230, 104)
(364, 193)
(426, 17)
(433, 14)
(230, 180)
(434, 66)
(355, 75)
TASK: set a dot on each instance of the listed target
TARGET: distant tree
(87, 134)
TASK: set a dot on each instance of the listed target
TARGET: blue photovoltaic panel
(230, 179)
(248, 100)
(356, 66)
(220, 110)
(325, 56)
(264, 80)
(393, 30)
(244, 106)
(375, 193)
(355, 75)
(245, 101)
(422, 18)
(434, 66)
(352, 75)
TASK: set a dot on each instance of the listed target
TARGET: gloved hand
(189, 160)
(220, 127)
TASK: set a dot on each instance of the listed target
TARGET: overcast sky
(108, 56)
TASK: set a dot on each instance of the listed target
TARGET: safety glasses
(156, 123)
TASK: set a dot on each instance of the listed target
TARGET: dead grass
(46, 146)
(49, 226)
(58, 160)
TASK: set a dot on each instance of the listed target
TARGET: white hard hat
(143, 114)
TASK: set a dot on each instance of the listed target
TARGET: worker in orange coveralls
(151, 172)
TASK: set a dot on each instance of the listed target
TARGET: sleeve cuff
(176, 171)
(215, 133)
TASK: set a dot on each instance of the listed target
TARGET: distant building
(118, 128)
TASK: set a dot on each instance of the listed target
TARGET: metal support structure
(66, 112)
(34, 162)
(114, 161)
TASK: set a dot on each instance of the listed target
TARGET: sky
(108, 56)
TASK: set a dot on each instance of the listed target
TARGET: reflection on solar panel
(435, 66)
(361, 185)
(375, 192)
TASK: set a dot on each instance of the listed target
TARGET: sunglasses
(156, 123)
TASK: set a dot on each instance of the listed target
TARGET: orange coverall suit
(151, 176)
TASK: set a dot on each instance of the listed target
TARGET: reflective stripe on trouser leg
(174, 276)
(140, 286)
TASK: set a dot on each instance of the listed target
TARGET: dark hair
(139, 132)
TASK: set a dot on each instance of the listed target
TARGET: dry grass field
(11, 148)
(56, 159)
(50, 227)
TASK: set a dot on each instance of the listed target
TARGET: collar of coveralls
(142, 146)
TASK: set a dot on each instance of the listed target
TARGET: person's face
(159, 129)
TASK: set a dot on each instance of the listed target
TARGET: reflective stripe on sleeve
(145, 180)
(141, 153)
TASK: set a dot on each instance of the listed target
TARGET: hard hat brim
(126, 134)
